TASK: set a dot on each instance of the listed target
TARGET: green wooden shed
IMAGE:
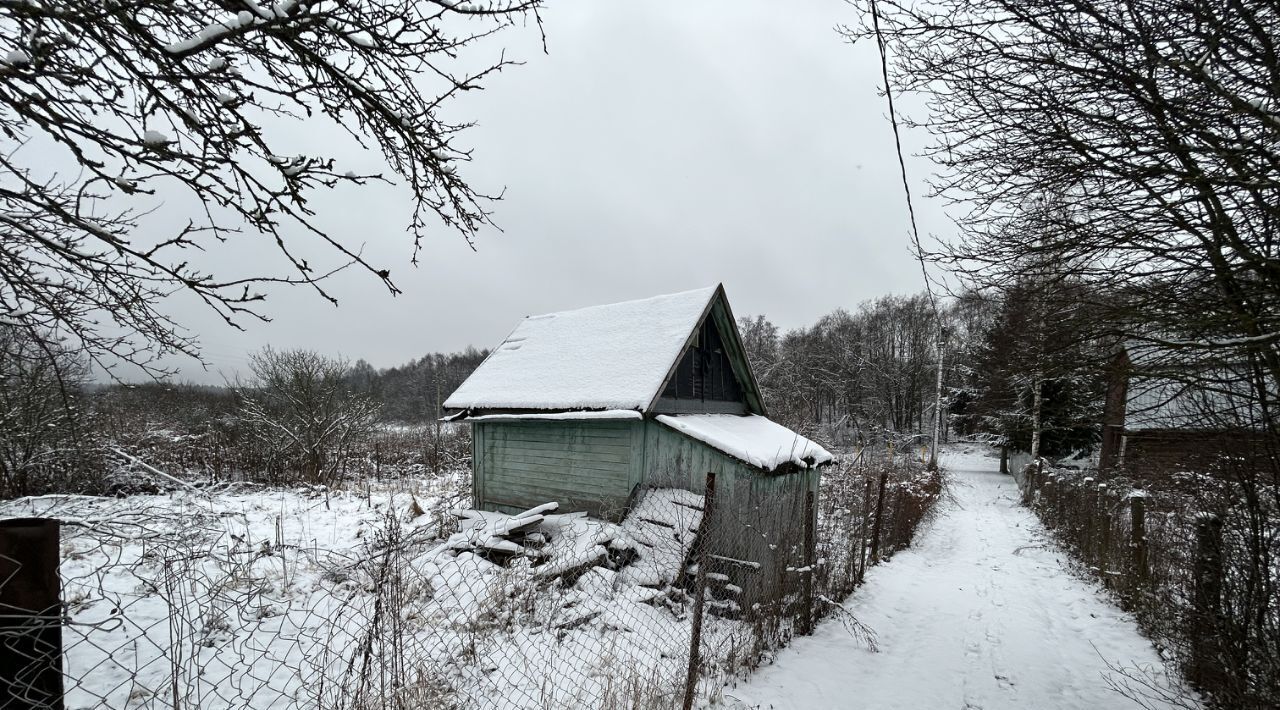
(591, 407)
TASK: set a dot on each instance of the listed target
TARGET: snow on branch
(161, 102)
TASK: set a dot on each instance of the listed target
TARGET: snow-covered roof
(754, 439)
(615, 356)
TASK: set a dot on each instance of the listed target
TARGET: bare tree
(300, 407)
(43, 431)
(760, 339)
(138, 100)
(1134, 146)
(1152, 128)
(872, 371)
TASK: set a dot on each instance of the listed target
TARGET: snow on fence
(1188, 557)
(870, 507)
(242, 597)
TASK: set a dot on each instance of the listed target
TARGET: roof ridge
(708, 289)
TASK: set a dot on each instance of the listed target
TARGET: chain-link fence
(1191, 555)
(308, 598)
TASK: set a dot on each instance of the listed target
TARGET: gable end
(712, 373)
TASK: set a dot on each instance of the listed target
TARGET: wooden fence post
(900, 516)
(875, 527)
(1037, 480)
(30, 615)
(1033, 479)
(806, 609)
(862, 533)
(1204, 668)
(1087, 514)
(1138, 544)
(1104, 535)
(1060, 500)
(699, 591)
(1048, 498)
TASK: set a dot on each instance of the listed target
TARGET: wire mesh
(1189, 556)
(183, 604)
(388, 598)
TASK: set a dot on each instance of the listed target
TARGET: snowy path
(979, 613)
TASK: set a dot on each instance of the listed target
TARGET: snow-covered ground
(251, 597)
(982, 612)
(219, 597)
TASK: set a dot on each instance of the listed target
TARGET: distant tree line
(1022, 366)
(414, 391)
(857, 374)
(295, 416)
(869, 374)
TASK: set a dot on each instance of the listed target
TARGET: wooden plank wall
(595, 466)
(1161, 453)
(759, 518)
(584, 465)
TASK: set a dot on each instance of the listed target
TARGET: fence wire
(1191, 557)
(209, 600)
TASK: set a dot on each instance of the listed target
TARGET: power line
(902, 163)
(915, 230)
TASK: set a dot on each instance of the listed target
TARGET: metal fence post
(699, 592)
(30, 615)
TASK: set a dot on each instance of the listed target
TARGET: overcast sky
(657, 147)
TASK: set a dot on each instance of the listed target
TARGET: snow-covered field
(367, 597)
(981, 612)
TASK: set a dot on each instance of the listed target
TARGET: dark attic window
(704, 371)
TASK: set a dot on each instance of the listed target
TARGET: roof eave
(466, 413)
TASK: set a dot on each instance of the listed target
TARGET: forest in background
(870, 374)
(853, 378)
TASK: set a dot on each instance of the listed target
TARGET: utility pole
(937, 398)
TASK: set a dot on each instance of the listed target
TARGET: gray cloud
(659, 146)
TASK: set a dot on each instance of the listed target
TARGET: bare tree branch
(151, 98)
